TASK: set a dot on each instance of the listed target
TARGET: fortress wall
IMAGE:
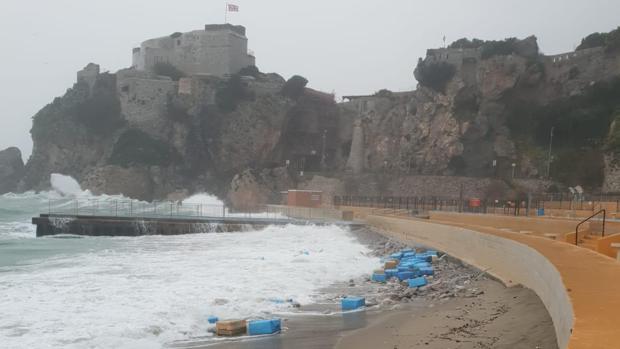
(453, 56)
(144, 100)
(510, 261)
(220, 50)
(238, 53)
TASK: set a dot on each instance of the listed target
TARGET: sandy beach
(460, 308)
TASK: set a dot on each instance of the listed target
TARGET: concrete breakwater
(93, 217)
(52, 224)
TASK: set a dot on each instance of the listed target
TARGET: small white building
(218, 50)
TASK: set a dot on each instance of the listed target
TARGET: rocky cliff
(11, 170)
(480, 107)
(151, 137)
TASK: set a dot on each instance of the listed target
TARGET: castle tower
(218, 50)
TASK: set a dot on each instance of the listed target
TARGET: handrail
(587, 219)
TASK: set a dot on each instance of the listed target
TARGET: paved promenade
(579, 287)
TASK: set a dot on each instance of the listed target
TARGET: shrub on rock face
(231, 93)
(250, 70)
(434, 75)
(169, 70)
(465, 43)
(592, 40)
(384, 93)
(611, 40)
(294, 87)
(499, 48)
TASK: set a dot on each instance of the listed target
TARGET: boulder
(11, 169)
(251, 188)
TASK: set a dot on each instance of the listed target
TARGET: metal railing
(525, 205)
(415, 204)
(157, 209)
(604, 212)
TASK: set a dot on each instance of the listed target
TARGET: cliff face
(480, 107)
(150, 137)
(475, 108)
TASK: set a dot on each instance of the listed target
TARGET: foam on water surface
(148, 291)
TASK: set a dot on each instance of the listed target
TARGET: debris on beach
(405, 265)
(436, 276)
(263, 327)
(229, 328)
(352, 303)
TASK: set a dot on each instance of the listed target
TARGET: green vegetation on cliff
(434, 75)
(465, 43)
(582, 131)
(491, 48)
(611, 40)
(232, 92)
(294, 87)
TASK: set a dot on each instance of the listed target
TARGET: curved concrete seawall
(511, 262)
(580, 288)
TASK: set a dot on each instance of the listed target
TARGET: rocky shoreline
(452, 278)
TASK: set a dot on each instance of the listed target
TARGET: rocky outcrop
(11, 170)
(251, 189)
(133, 182)
(612, 174)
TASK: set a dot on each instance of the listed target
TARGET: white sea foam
(203, 199)
(145, 292)
(212, 206)
(66, 185)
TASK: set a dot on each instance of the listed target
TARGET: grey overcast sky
(345, 46)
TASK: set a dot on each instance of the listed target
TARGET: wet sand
(460, 308)
(499, 318)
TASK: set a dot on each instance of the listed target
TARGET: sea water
(145, 292)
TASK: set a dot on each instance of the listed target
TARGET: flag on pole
(232, 8)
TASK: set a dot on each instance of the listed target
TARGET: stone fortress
(203, 56)
(218, 50)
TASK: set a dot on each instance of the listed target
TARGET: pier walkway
(135, 218)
